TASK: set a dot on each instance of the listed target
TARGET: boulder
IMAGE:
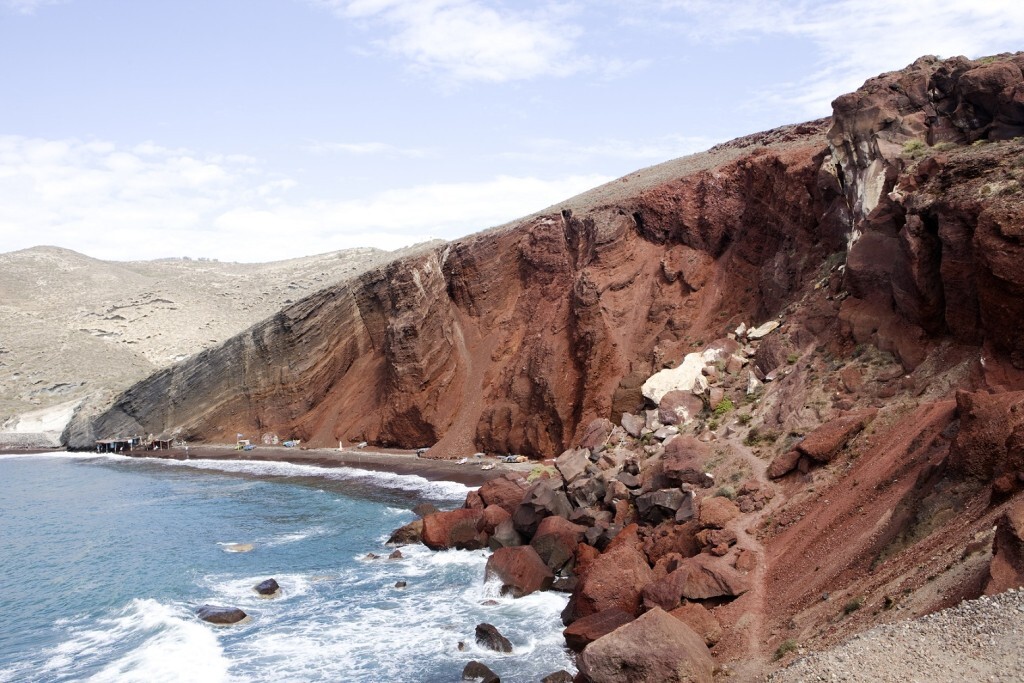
(571, 464)
(222, 616)
(505, 536)
(716, 541)
(657, 506)
(561, 676)
(506, 492)
(783, 464)
(615, 579)
(454, 529)
(1006, 569)
(671, 538)
(583, 632)
(827, 440)
(268, 587)
(701, 620)
(424, 509)
(679, 407)
(654, 647)
(633, 424)
(520, 570)
(753, 384)
(556, 540)
(697, 578)
(719, 350)
(683, 462)
(687, 377)
(488, 636)
(476, 671)
(596, 433)
(716, 512)
(492, 516)
(396, 555)
(585, 491)
(408, 534)
(543, 499)
(763, 330)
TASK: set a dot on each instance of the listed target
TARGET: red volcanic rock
(520, 570)
(683, 462)
(827, 440)
(1006, 569)
(654, 647)
(572, 464)
(491, 518)
(474, 501)
(453, 529)
(596, 433)
(615, 579)
(677, 407)
(583, 632)
(987, 423)
(702, 621)
(697, 578)
(716, 512)
(783, 464)
(556, 540)
(506, 491)
(410, 533)
(668, 538)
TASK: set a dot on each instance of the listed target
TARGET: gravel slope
(978, 640)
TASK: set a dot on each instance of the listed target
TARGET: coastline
(377, 460)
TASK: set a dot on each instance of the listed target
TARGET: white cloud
(149, 201)
(471, 40)
(854, 39)
(29, 6)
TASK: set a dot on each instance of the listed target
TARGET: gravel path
(978, 640)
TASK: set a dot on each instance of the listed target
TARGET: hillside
(77, 326)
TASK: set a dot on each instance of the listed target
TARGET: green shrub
(914, 148)
(787, 646)
(745, 418)
(725, 406)
(726, 492)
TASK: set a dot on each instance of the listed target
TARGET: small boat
(463, 461)
(488, 466)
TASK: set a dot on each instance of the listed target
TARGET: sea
(105, 559)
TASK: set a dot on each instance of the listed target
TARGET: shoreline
(377, 460)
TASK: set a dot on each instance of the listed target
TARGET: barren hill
(75, 326)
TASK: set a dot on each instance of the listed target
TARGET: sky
(257, 130)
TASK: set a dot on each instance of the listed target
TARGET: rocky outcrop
(454, 529)
(1006, 570)
(489, 637)
(586, 630)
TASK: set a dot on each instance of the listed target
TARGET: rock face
(655, 647)
(1006, 570)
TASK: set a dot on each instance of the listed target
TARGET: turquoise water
(104, 560)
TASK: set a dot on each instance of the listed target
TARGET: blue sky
(254, 130)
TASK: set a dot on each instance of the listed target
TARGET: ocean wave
(147, 641)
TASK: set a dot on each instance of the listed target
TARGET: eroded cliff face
(514, 340)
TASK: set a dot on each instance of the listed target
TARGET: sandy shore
(379, 460)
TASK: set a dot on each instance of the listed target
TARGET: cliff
(515, 339)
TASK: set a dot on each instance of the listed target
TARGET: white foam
(148, 641)
(443, 490)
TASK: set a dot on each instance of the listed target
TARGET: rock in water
(220, 615)
(520, 570)
(562, 676)
(477, 671)
(489, 637)
(268, 587)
